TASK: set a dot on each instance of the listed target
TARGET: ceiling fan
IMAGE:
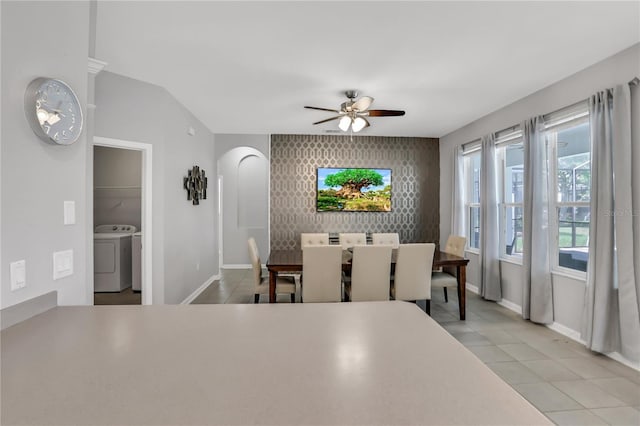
(352, 113)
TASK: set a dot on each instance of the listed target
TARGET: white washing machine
(112, 257)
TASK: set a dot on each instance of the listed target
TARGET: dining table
(291, 261)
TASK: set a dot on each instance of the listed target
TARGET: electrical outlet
(197, 266)
(18, 275)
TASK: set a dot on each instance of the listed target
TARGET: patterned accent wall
(415, 186)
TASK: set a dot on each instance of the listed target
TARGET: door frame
(220, 224)
(147, 209)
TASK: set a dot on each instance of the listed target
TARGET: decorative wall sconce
(196, 185)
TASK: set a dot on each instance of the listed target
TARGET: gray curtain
(611, 320)
(490, 286)
(458, 219)
(537, 291)
(625, 222)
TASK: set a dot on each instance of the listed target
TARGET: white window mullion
(573, 204)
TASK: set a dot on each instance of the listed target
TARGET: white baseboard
(236, 266)
(472, 288)
(511, 306)
(199, 290)
(561, 329)
(575, 336)
(622, 360)
(566, 331)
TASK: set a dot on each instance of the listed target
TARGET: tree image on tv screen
(354, 192)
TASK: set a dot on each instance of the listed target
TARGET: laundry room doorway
(122, 222)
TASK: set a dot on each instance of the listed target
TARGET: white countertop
(350, 363)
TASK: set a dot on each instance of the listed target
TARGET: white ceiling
(250, 67)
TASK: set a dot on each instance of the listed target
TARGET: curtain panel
(490, 283)
(611, 315)
(537, 291)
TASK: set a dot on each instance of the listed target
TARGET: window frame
(469, 204)
(579, 116)
(512, 137)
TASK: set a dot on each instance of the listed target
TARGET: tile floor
(568, 383)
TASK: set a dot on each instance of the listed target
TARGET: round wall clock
(53, 111)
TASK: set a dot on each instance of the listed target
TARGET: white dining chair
(443, 279)
(284, 285)
(313, 239)
(455, 245)
(370, 269)
(348, 240)
(413, 273)
(309, 239)
(322, 272)
(292, 275)
(392, 239)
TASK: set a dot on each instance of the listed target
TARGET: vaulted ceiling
(250, 67)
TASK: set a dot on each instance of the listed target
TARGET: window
(511, 167)
(571, 162)
(472, 176)
(567, 136)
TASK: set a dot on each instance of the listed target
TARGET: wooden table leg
(462, 290)
(273, 276)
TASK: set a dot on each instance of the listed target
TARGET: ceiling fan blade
(328, 119)
(323, 109)
(385, 113)
(362, 104)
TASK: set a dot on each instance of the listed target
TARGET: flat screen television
(353, 190)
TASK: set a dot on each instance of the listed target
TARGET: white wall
(618, 69)
(116, 167)
(37, 177)
(117, 194)
(243, 159)
(185, 238)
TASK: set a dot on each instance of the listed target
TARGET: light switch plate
(62, 264)
(18, 275)
(69, 212)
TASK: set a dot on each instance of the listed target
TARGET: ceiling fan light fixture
(344, 123)
(358, 124)
(353, 113)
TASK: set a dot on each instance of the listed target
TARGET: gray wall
(243, 164)
(117, 178)
(37, 177)
(414, 194)
(568, 293)
(185, 253)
